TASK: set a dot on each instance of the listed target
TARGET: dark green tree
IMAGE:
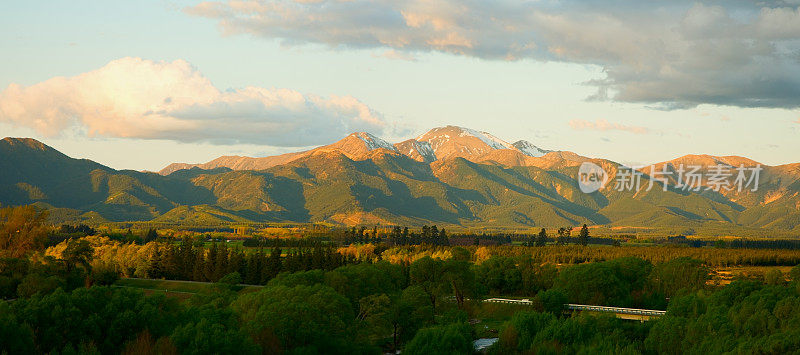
(583, 236)
(307, 319)
(541, 239)
(78, 253)
(447, 339)
(428, 274)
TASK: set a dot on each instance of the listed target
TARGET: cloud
(604, 125)
(668, 54)
(393, 54)
(138, 98)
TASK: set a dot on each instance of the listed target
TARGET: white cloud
(137, 98)
(671, 54)
(393, 54)
(604, 125)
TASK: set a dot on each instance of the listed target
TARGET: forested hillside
(353, 183)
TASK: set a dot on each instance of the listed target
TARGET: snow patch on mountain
(373, 142)
(529, 149)
(489, 139)
(425, 149)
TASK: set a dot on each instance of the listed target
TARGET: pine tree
(211, 262)
(317, 257)
(255, 268)
(199, 266)
(443, 240)
(151, 235)
(273, 265)
(170, 262)
(186, 259)
(221, 262)
(154, 265)
(541, 240)
(236, 262)
(583, 236)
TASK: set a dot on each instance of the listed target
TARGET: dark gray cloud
(668, 54)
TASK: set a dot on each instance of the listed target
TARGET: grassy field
(174, 288)
(724, 275)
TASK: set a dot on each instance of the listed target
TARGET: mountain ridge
(361, 179)
(437, 143)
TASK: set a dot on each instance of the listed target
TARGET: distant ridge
(438, 143)
(449, 176)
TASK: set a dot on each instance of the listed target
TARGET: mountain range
(450, 176)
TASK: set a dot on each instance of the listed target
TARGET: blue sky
(214, 79)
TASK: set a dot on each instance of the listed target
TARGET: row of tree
(564, 237)
(428, 235)
(189, 262)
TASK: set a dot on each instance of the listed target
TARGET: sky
(141, 84)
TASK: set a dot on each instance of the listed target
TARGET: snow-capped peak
(490, 139)
(373, 142)
(441, 133)
(529, 149)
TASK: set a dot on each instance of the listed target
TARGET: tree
(682, 273)
(461, 254)
(373, 317)
(448, 339)
(186, 258)
(199, 266)
(459, 274)
(211, 262)
(541, 239)
(500, 275)
(594, 283)
(552, 300)
(428, 274)
(103, 316)
(15, 337)
(442, 238)
(151, 235)
(303, 319)
(273, 266)
(523, 327)
(255, 267)
(794, 273)
(561, 240)
(78, 252)
(208, 337)
(35, 283)
(774, 277)
(236, 262)
(583, 236)
(410, 311)
(22, 230)
(232, 279)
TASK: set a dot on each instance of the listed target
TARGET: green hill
(382, 186)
